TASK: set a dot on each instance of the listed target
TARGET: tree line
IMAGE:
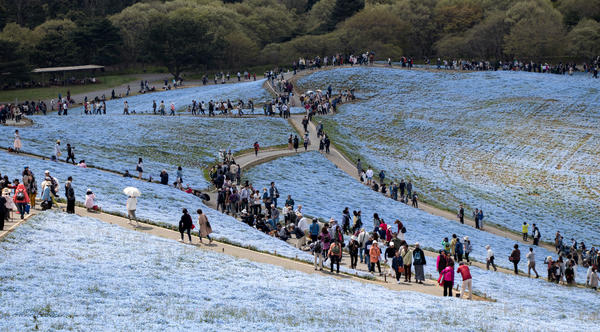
(193, 35)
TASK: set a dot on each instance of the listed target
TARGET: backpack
(317, 247)
(417, 256)
(403, 230)
(20, 195)
(335, 250)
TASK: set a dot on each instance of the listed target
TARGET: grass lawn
(104, 82)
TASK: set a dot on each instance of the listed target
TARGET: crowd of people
(517, 65)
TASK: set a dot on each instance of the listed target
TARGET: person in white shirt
(490, 258)
(531, 263)
(131, 206)
(369, 175)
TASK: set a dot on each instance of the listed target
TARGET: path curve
(343, 163)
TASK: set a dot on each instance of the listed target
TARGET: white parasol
(132, 191)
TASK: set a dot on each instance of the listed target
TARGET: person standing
(525, 230)
(461, 214)
(185, 225)
(531, 263)
(515, 258)
(467, 280)
(296, 142)
(468, 248)
(57, 152)
(418, 262)
(446, 278)
(3, 212)
(374, 254)
(316, 247)
(536, 235)
(131, 206)
(490, 258)
(353, 251)
(17, 145)
(172, 107)
(70, 195)
(21, 199)
(140, 168)
(204, 227)
(335, 255)
(273, 194)
(359, 167)
(407, 256)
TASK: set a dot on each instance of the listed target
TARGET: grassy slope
(105, 82)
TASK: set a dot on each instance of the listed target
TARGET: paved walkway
(429, 287)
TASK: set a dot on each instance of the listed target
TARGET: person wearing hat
(90, 205)
(46, 195)
(418, 262)
(374, 254)
(389, 255)
(57, 152)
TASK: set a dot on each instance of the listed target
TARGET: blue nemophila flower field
(63, 272)
(520, 146)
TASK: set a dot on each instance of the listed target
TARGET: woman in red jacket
(21, 199)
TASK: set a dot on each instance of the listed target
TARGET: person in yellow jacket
(525, 230)
(453, 246)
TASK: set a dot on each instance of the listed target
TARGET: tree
(342, 10)
(99, 42)
(536, 30)
(133, 24)
(13, 67)
(181, 40)
(584, 39)
(55, 49)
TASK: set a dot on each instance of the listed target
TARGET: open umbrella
(132, 191)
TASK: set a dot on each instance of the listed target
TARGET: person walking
(490, 258)
(418, 262)
(335, 255)
(256, 148)
(46, 194)
(70, 195)
(131, 206)
(353, 251)
(398, 266)
(31, 189)
(374, 255)
(204, 228)
(446, 278)
(70, 154)
(467, 280)
(316, 247)
(296, 142)
(185, 225)
(515, 257)
(531, 263)
(21, 199)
